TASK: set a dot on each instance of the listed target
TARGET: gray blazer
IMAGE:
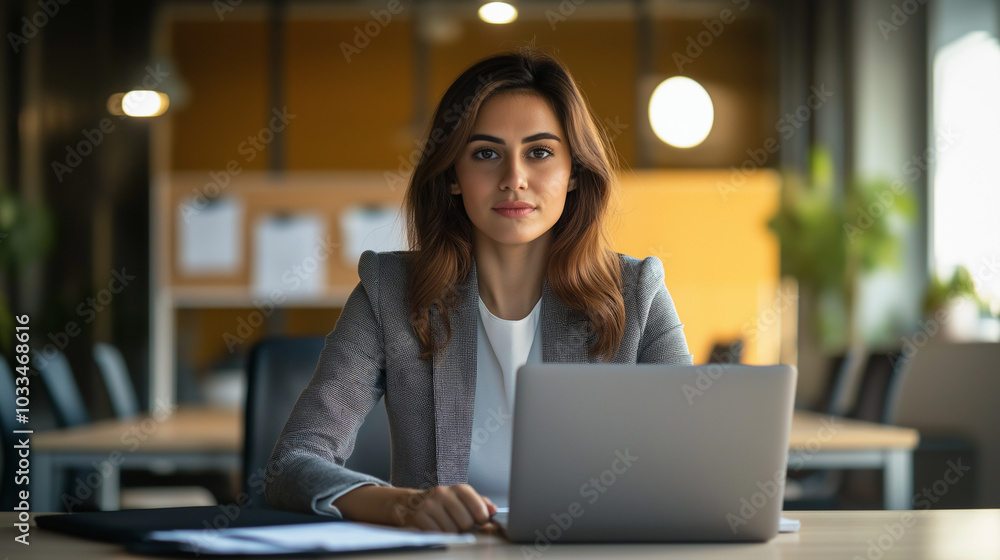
(373, 353)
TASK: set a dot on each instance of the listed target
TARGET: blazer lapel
(565, 333)
(454, 375)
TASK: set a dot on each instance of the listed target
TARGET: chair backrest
(114, 372)
(726, 352)
(832, 383)
(278, 369)
(67, 402)
(842, 380)
(878, 379)
(8, 424)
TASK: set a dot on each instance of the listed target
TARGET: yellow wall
(720, 259)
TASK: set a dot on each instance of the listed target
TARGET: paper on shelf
(375, 228)
(209, 235)
(290, 256)
(340, 536)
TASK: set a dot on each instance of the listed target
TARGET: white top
(503, 347)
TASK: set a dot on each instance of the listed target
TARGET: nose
(515, 176)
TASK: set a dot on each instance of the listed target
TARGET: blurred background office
(179, 180)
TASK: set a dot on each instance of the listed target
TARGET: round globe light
(681, 112)
(497, 12)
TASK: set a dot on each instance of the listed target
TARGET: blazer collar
(565, 338)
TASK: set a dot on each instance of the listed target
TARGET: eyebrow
(524, 140)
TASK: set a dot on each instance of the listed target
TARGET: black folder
(132, 525)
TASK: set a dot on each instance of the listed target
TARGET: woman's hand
(448, 509)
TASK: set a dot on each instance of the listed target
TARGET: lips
(514, 209)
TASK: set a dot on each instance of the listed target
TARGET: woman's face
(514, 172)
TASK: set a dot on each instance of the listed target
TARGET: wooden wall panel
(349, 114)
(224, 68)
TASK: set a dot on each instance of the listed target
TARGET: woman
(510, 264)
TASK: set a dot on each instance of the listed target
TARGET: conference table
(209, 438)
(840, 535)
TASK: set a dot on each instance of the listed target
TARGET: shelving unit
(261, 194)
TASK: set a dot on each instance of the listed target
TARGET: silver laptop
(653, 453)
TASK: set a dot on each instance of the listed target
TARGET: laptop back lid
(649, 452)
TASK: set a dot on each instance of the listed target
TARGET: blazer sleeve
(306, 470)
(662, 340)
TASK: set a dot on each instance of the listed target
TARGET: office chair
(726, 353)
(278, 369)
(818, 489)
(8, 423)
(879, 379)
(67, 402)
(114, 372)
(164, 487)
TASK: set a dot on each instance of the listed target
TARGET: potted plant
(828, 240)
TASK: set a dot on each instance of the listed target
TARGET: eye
(541, 152)
(485, 154)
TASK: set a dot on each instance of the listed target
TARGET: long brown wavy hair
(583, 271)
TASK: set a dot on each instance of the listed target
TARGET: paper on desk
(340, 536)
(789, 525)
(209, 235)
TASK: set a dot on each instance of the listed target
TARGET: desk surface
(199, 429)
(180, 430)
(810, 429)
(840, 535)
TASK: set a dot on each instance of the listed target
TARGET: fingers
(452, 509)
(490, 506)
(477, 506)
(438, 515)
(425, 522)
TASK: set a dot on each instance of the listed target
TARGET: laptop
(648, 453)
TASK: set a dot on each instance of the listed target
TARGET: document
(337, 536)
(788, 525)
(375, 228)
(290, 255)
(210, 236)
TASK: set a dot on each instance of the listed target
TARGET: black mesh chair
(114, 372)
(834, 384)
(163, 486)
(824, 489)
(67, 401)
(278, 369)
(726, 352)
(878, 380)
